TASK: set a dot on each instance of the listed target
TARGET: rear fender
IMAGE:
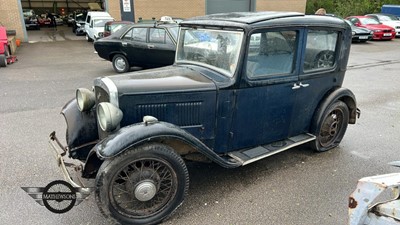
(141, 133)
(112, 54)
(342, 94)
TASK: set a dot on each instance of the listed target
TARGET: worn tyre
(3, 61)
(143, 185)
(332, 127)
(120, 63)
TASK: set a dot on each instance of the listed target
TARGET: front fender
(342, 94)
(140, 133)
(81, 131)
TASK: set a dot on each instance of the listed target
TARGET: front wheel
(120, 63)
(88, 38)
(143, 185)
(332, 127)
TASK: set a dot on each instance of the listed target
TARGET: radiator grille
(101, 95)
(181, 114)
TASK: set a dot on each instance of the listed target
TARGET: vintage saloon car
(244, 86)
(147, 45)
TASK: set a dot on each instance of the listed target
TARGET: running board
(254, 154)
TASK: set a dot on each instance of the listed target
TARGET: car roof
(253, 19)
(155, 24)
(119, 22)
(359, 16)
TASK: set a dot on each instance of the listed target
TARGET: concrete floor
(49, 34)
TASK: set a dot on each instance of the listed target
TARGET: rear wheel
(120, 63)
(143, 185)
(3, 57)
(332, 127)
(3, 61)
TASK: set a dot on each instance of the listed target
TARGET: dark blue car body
(283, 90)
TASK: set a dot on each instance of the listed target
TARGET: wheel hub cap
(120, 64)
(145, 191)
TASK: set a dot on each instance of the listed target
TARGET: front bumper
(59, 151)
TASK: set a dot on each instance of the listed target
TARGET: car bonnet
(162, 80)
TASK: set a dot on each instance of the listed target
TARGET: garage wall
(114, 9)
(10, 17)
(281, 5)
(185, 8)
(220, 6)
(175, 8)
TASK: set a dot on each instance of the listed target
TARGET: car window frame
(278, 77)
(322, 71)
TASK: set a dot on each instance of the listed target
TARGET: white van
(94, 24)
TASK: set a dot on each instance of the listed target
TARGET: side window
(320, 50)
(136, 34)
(88, 19)
(354, 20)
(128, 36)
(139, 34)
(271, 53)
(157, 35)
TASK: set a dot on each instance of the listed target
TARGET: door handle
(300, 85)
(296, 86)
(304, 85)
(150, 46)
(124, 44)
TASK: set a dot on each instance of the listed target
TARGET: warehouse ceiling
(58, 6)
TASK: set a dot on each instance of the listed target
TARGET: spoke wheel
(333, 126)
(325, 59)
(120, 63)
(143, 185)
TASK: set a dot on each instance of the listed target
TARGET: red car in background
(381, 32)
(112, 26)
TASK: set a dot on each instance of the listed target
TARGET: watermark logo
(58, 196)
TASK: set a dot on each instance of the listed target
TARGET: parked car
(113, 26)
(94, 24)
(78, 27)
(69, 20)
(387, 19)
(44, 20)
(218, 102)
(146, 45)
(59, 21)
(360, 34)
(381, 31)
(31, 20)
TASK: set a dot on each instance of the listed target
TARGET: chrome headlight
(353, 33)
(85, 99)
(109, 116)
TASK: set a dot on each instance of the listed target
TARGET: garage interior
(63, 8)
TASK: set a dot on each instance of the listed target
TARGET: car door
(264, 102)
(87, 24)
(160, 48)
(134, 45)
(320, 73)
